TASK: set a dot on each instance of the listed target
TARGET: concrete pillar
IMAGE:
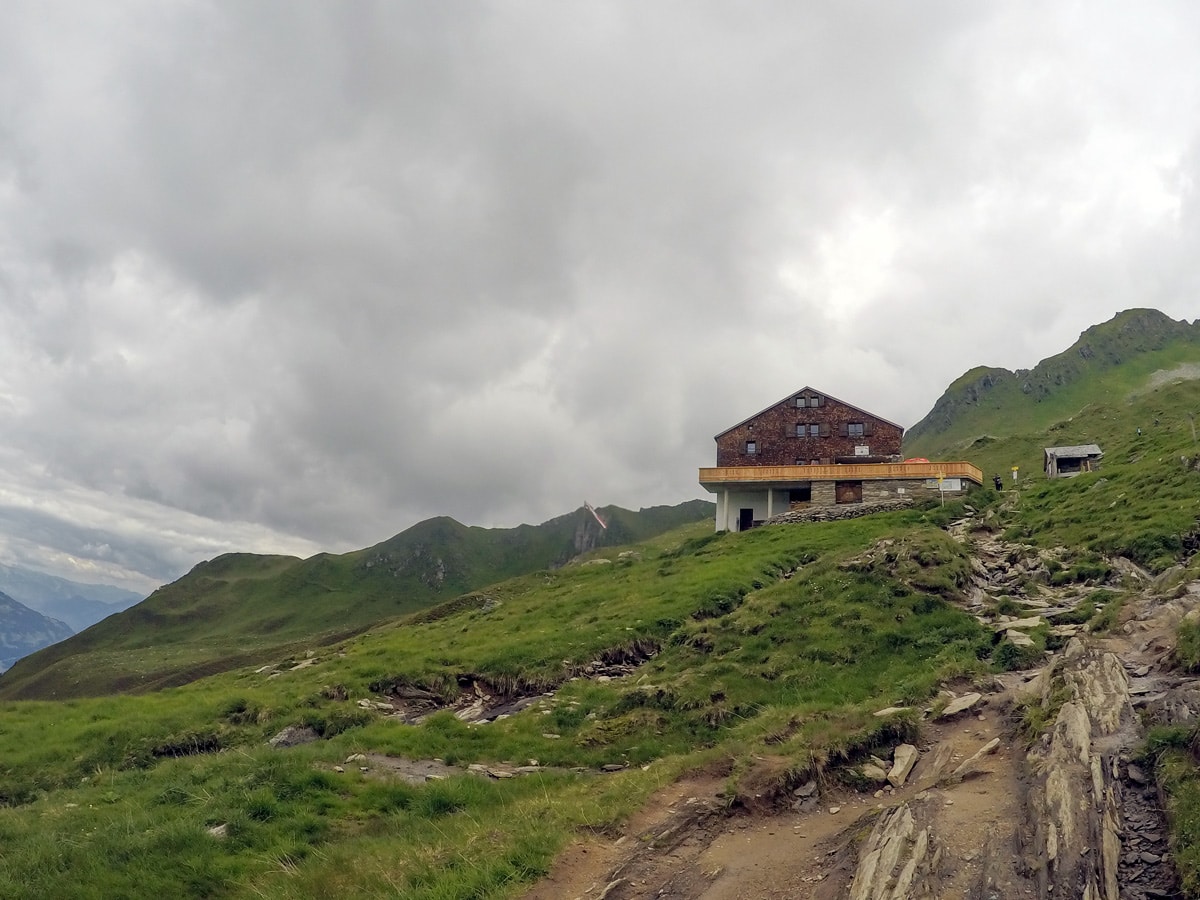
(725, 505)
(770, 503)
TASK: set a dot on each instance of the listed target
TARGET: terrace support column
(725, 505)
(770, 503)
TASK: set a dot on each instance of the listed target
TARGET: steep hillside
(24, 630)
(243, 607)
(1110, 361)
(79, 604)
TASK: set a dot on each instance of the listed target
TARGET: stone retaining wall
(837, 513)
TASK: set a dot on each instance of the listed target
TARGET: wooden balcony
(763, 476)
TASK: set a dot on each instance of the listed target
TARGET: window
(855, 429)
(814, 430)
(803, 402)
(801, 429)
(814, 401)
(802, 462)
(751, 448)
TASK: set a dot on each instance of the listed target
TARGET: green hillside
(241, 608)
(780, 640)
(1111, 362)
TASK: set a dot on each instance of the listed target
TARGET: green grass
(1172, 753)
(241, 608)
(100, 791)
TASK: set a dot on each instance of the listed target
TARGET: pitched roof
(1075, 451)
(813, 390)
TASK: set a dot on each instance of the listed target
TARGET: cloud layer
(288, 276)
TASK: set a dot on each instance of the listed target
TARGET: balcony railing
(849, 472)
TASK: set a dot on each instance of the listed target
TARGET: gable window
(803, 402)
(814, 401)
(751, 448)
(855, 429)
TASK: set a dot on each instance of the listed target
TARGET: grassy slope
(750, 663)
(241, 608)
(1107, 364)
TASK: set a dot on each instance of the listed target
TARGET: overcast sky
(292, 276)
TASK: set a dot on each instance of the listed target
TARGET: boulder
(959, 705)
(873, 772)
(969, 764)
(293, 736)
(903, 760)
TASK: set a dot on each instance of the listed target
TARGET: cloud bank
(289, 276)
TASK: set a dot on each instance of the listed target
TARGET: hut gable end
(806, 427)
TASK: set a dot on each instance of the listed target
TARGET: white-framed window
(751, 448)
(855, 429)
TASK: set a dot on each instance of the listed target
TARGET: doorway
(745, 519)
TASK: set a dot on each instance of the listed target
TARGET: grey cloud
(295, 275)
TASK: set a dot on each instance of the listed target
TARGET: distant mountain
(23, 630)
(244, 607)
(78, 604)
(1109, 361)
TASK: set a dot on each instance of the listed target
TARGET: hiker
(997, 482)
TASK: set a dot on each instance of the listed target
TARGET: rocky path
(988, 811)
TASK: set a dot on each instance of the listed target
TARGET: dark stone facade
(772, 437)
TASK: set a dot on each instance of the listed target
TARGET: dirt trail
(1070, 817)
